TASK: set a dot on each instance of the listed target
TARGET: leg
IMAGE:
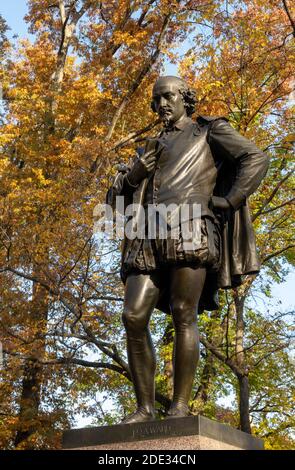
(186, 287)
(141, 296)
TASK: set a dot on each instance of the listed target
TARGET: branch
(276, 253)
(62, 11)
(286, 203)
(105, 297)
(279, 348)
(113, 48)
(145, 12)
(278, 223)
(266, 101)
(134, 134)
(139, 77)
(235, 369)
(162, 399)
(112, 354)
(50, 290)
(82, 362)
(76, 261)
(272, 195)
(280, 428)
(57, 333)
(289, 16)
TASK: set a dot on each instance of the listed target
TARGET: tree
(77, 104)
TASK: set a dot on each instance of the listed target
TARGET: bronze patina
(203, 161)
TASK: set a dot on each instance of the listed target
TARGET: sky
(13, 12)
(283, 298)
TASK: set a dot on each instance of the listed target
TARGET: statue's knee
(132, 320)
(183, 314)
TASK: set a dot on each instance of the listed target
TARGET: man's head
(172, 99)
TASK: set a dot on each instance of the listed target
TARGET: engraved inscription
(151, 430)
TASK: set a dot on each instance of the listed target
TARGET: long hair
(189, 99)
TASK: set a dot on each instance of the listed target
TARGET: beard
(166, 118)
(166, 121)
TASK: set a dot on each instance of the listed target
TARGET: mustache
(164, 110)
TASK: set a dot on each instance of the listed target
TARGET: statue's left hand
(220, 203)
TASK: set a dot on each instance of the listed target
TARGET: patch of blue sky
(13, 11)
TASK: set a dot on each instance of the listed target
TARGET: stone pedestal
(190, 433)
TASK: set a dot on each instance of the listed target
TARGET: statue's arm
(251, 162)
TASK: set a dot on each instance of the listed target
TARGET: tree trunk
(29, 403)
(244, 403)
(28, 422)
(208, 373)
(167, 343)
(32, 379)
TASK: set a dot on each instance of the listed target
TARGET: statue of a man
(206, 162)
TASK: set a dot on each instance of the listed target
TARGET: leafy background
(76, 86)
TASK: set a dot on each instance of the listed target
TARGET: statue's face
(168, 101)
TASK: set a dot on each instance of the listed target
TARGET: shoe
(177, 411)
(139, 416)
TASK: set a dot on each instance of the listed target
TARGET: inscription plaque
(136, 432)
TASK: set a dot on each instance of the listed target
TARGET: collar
(179, 125)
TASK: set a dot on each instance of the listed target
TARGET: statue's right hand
(141, 167)
(149, 160)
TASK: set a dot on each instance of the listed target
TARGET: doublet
(197, 160)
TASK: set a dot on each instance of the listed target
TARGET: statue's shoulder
(208, 120)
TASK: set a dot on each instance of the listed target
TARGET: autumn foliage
(76, 101)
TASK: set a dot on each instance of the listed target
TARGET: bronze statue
(203, 161)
